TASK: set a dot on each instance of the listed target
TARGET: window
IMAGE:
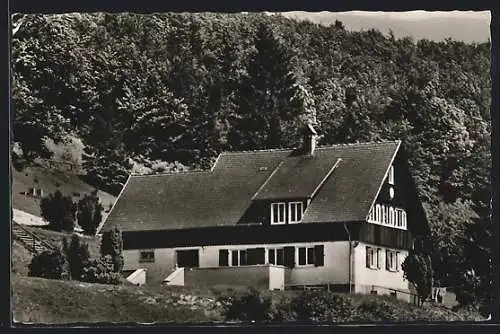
(370, 258)
(295, 212)
(391, 216)
(275, 256)
(384, 214)
(378, 213)
(398, 261)
(391, 175)
(311, 256)
(371, 216)
(379, 258)
(391, 260)
(147, 256)
(188, 258)
(403, 219)
(397, 217)
(234, 258)
(278, 214)
(302, 256)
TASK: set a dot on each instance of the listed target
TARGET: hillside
(56, 238)
(50, 180)
(37, 300)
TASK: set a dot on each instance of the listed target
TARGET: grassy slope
(49, 180)
(39, 300)
(21, 258)
(56, 239)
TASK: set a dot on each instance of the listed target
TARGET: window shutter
(387, 264)
(255, 256)
(289, 257)
(319, 255)
(223, 257)
(243, 258)
(367, 257)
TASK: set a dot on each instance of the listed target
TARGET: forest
(171, 91)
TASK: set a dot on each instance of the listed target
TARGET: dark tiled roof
(193, 199)
(220, 197)
(298, 176)
(348, 193)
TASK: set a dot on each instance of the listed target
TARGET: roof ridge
(317, 147)
(172, 173)
(361, 143)
(262, 150)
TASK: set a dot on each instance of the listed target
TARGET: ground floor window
(288, 256)
(392, 258)
(373, 257)
(276, 256)
(147, 256)
(241, 257)
(311, 256)
(188, 258)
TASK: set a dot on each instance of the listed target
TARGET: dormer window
(286, 212)
(278, 214)
(295, 212)
(391, 176)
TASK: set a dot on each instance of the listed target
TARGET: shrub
(77, 254)
(101, 270)
(89, 213)
(418, 270)
(250, 306)
(323, 306)
(378, 310)
(48, 264)
(112, 245)
(59, 211)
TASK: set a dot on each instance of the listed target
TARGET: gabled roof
(350, 191)
(343, 189)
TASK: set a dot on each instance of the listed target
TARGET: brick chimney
(309, 139)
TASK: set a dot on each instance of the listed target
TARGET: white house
(341, 217)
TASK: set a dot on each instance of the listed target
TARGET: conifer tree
(77, 255)
(266, 94)
(89, 213)
(112, 244)
(59, 211)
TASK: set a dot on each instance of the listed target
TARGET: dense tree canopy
(181, 88)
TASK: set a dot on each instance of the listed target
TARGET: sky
(467, 26)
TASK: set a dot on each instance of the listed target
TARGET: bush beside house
(73, 261)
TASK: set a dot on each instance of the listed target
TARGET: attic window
(295, 210)
(391, 175)
(278, 214)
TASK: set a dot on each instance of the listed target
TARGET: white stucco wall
(157, 271)
(276, 277)
(364, 277)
